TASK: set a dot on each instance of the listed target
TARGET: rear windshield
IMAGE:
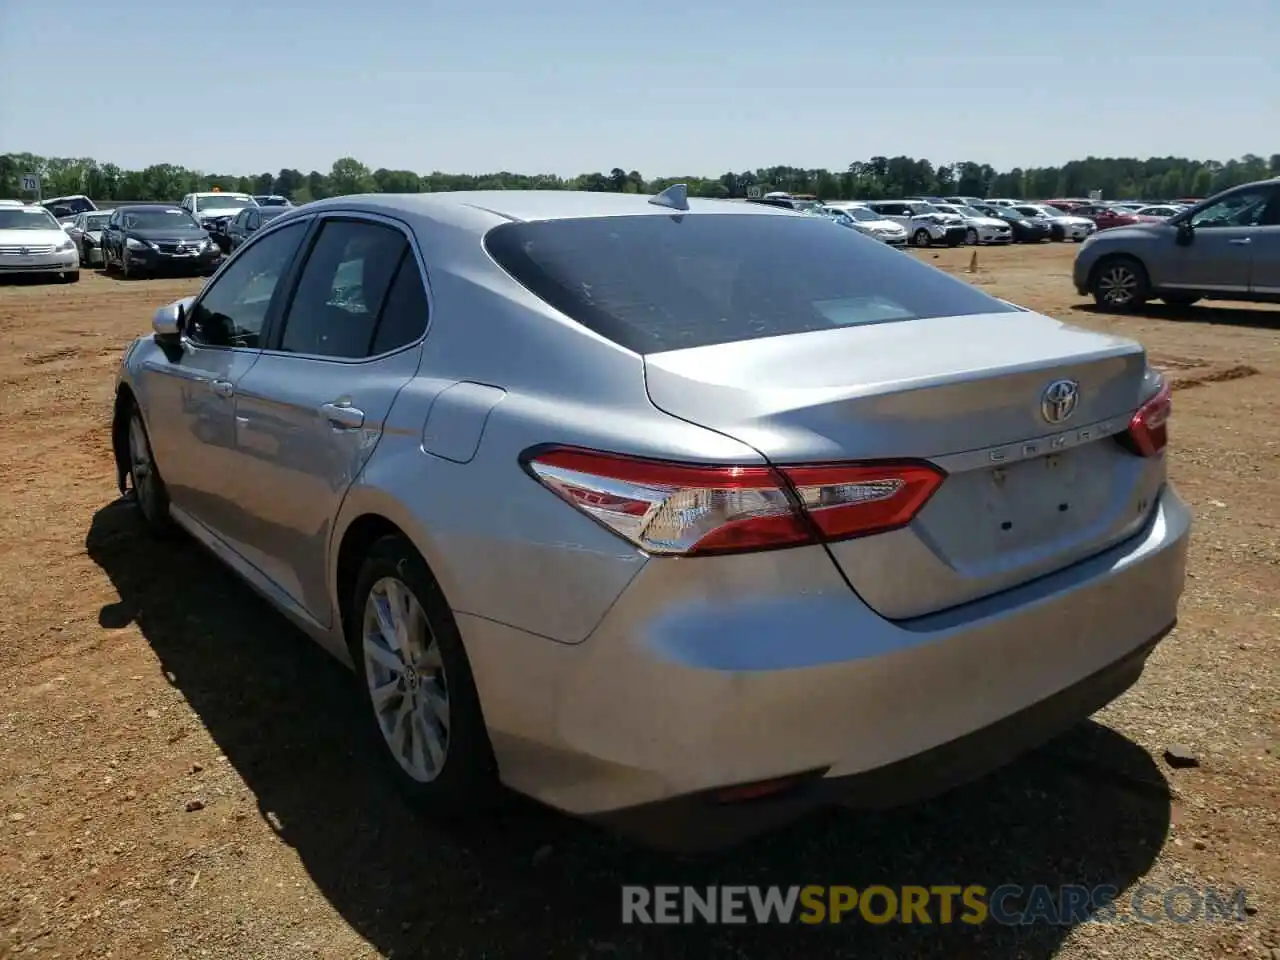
(656, 283)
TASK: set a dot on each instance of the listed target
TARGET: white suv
(925, 224)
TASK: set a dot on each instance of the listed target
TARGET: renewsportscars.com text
(1009, 904)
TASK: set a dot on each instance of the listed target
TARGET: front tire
(415, 682)
(1120, 285)
(71, 276)
(972, 238)
(149, 491)
(1180, 300)
(921, 238)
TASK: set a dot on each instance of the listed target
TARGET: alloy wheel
(406, 677)
(142, 469)
(1118, 285)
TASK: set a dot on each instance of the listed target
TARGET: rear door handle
(342, 415)
(1240, 241)
(223, 388)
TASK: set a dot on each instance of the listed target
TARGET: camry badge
(1059, 400)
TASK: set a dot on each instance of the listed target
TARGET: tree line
(1119, 178)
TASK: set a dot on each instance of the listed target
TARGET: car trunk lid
(1023, 496)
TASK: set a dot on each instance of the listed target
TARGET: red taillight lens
(853, 500)
(686, 509)
(1148, 431)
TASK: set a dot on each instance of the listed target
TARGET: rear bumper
(723, 671)
(703, 821)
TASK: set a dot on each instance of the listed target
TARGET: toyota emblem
(1059, 400)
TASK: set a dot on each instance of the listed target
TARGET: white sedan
(1064, 225)
(32, 241)
(979, 228)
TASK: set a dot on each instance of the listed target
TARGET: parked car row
(137, 239)
(998, 220)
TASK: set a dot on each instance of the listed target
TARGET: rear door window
(654, 283)
(345, 283)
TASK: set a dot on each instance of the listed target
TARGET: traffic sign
(753, 193)
(31, 183)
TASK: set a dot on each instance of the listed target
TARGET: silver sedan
(683, 515)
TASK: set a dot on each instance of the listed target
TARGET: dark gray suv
(1223, 248)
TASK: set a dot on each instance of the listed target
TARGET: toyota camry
(683, 516)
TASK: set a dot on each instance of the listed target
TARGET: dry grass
(135, 679)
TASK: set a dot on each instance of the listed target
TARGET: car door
(897, 212)
(188, 397)
(110, 233)
(1264, 278)
(1220, 255)
(311, 411)
(233, 229)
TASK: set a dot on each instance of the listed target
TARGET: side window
(231, 311)
(342, 289)
(251, 220)
(1241, 209)
(1271, 216)
(404, 315)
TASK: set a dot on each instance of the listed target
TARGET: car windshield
(657, 283)
(70, 206)
(19, 219)
(1030, 210)
(966, 211)
(861, 213)
(96, 221)
(170, 218)
(922, 206)
(272, 201)
(223, 201)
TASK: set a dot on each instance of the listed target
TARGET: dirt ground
(180, 776)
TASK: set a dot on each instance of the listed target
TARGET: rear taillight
(1148, 431)
(693, 509)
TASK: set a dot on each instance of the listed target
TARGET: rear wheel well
(364, 532)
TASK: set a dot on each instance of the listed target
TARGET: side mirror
(1186, 233)
(169, 322)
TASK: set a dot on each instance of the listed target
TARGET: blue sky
(566, 86)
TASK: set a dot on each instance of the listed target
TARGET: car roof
(480, 210)
(134, 207)
(222, 193)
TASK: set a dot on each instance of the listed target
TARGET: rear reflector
(1148, 431)
(680, 509)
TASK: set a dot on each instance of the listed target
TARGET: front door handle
(1240, 241)
(342, 415)
(223, 388)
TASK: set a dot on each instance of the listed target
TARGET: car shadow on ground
(1090, 808)
(1196, 313)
